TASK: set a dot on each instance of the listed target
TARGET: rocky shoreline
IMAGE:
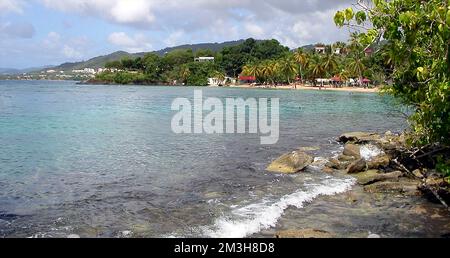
(378, 164)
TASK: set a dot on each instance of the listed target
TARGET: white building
(204, 59)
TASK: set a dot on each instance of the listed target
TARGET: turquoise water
(103, 161)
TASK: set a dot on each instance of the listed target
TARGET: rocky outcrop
(379, 162)
(359, 137)
(373, 176)
(290, 163)
(358, 166)
(404, 186)
(352, 150)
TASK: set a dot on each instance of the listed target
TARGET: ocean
(102, 161)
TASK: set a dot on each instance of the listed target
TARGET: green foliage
(417, 35)
(443, 166)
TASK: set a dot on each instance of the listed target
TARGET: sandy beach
(304, 87)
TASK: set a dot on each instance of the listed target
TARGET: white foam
(256, 217)
(369, 151)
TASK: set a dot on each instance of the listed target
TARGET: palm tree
(317, 68)
(287, 68)
(330, 64)
(357, 67)
(251, 70)
(220, 76)
(302, 60)
(185, 73)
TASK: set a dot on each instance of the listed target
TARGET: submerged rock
(304, 233)
(290, 163)
(358, 166)
(312, 148)
(372, 176)
(328, 170)
(352, 150)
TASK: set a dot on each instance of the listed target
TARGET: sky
(36, 33)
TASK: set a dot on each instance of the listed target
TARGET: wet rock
(358, 166)
(336, 164)
(304, 233)
(343, 157)
(290, 163)
(359, 137)
(406, 187)
(352, 150)
(372, 176)
(328, 170)
(381, 161)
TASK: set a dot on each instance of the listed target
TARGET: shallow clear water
(103, 161)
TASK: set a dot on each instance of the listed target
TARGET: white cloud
(254, 30)
(137, 43)
(15, 6)
(70, 48)
(23, 30)
(179, 21)
(71, 52)
(176, 38)
(135, 12)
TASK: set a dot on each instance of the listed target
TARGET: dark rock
(357, 166)
(291, 163)
(359, 137)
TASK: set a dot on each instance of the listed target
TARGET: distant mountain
(100, 61)
(96, 62)
(215, 47)
(12, 71)
(7, 71)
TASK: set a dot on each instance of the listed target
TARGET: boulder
(406, 187)
(372, 176)
(359, 137)
(304, 233)
(379, 162)
(358, 166)
(336, 164)
(352, 150)
(290, 163)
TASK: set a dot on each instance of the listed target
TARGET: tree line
(267, 60)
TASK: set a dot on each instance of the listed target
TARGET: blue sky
(49, 32)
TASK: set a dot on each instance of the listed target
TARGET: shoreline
(303, 87)
(387, 200)
(243, 86)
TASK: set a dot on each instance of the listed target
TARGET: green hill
(100, 61)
